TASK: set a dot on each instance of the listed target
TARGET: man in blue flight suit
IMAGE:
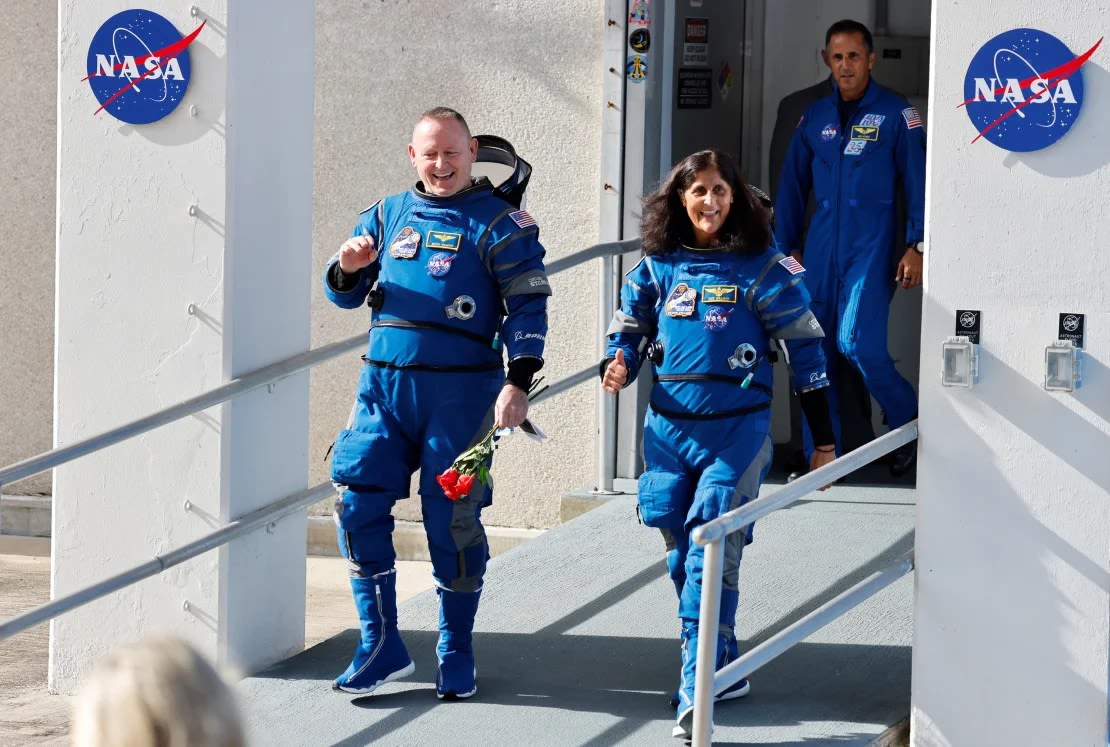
(453, 272)
(852, 149)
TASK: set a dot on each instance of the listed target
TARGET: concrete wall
(1013, 573)
(29, 29)
(529, 71)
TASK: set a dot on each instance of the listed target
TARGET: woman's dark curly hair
(665, 224)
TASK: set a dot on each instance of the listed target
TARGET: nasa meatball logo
(828, 133)
(440, 264)
(715, 319)
(138, 66)
(1024, 89)
(968, 319)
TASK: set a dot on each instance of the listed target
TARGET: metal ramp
(577, 642)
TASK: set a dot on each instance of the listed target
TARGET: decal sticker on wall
(636, 68)
(969, 323)
(1024, 89)
(1072, 328)
(695, 88)
(724, 80)
(640, 40)
(138, 66)
(695, 54)
(639, 14)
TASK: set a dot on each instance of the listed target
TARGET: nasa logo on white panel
(1024, 89)
(138, 66)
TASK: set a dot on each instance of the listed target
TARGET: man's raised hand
(357, 252)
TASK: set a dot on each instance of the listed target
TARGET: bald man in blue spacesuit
(454, 273)
(852, 149)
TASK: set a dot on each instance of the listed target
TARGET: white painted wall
(130, 262)
(1013, 573)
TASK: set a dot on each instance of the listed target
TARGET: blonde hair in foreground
(159, 692)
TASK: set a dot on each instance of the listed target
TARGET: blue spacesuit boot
(381, 656)
(457, 676)
(684, 718)
(728, 651)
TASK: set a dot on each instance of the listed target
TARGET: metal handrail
(712, 534)
(249, 382)
(232, 530)
(235, 387)
(258, 518)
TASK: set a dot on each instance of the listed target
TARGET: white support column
(1013, 569)
(184, 260)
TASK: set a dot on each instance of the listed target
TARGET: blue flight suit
(851, 252)
(707, 434)
(456, 277)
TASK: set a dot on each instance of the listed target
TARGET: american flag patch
(522, 218)
(792, 265)
(913, 119)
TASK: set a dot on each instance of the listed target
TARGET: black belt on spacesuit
(676, 415)
(429, 367)
(735, 413)
(406, 324)
(755, 385)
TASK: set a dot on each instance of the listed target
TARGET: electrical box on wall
(902, 63)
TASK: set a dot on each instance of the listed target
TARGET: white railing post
(706, 665)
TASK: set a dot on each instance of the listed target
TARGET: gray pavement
(577, 643)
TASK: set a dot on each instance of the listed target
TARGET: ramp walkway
(577, 642)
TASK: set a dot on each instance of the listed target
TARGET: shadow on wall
(1009, 554)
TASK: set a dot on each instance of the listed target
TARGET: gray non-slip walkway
(577, 643)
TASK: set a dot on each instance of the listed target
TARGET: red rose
(447, 480)
(466, 482)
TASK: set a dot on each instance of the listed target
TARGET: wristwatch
(917, 246)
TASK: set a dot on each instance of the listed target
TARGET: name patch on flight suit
(718, 294)
(681, 301)
(441, 240)
(872, 120)
(406, 244)
(862, 132)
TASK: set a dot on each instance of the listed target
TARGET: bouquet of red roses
(473, 464)
(458, 479)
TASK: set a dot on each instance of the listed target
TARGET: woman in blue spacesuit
(705, 306)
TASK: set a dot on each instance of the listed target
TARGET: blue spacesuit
(851, 252)
(457, 279)
(710, 318)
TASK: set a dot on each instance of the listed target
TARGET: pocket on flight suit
(662, 497)
(364, 459)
